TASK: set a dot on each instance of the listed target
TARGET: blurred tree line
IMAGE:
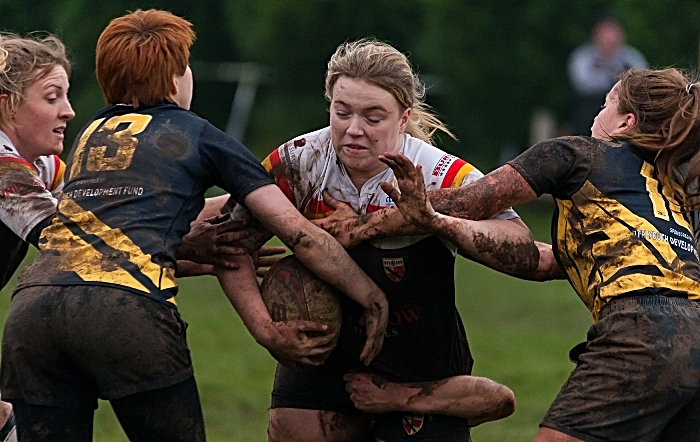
(488, 63)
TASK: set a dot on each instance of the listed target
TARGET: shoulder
(312, 141)
(586, 51)
(314, 145)
(440, 169)
(10, 158)
(51, 170)
(633, 57)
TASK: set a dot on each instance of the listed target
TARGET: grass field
(519, 331)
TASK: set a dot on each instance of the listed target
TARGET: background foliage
(489, 64)
(495, 61)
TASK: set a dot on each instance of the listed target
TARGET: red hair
(138, 54)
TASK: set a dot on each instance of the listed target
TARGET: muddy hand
(342, 223)
(212, 240)
(375, 318)
(412, 200)
(371, 393)
(266, 257)
(299, 344)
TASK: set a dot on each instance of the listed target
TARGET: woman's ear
(628, 122)
(404, 120)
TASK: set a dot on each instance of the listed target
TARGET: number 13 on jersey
(124, 139)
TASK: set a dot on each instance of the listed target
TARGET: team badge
(394, 269)
(412, 423)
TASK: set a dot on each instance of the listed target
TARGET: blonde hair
(23, 61)
(381, 64)
(666, 106)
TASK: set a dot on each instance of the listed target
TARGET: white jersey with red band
(305, 166)
(28, 191)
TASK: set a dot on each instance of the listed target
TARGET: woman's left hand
(412, 199)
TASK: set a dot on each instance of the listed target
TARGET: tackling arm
(473, 398)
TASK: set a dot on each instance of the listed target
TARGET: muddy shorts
(321, 388)
(638, 377)
(68, 346)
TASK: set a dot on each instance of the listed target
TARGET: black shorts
(323, 388)
(406, 427)
(638, 377)
(68, 346)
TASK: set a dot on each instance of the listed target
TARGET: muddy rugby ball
(291, 291)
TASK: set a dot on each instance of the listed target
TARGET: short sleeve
(558, 167)
(233, 167)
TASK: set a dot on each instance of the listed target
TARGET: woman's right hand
(298, 344)
(375, 318)
(343, 224)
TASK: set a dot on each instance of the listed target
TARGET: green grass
(519, 331)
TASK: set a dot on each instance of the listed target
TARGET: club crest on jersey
(394, 268)
(412, 423)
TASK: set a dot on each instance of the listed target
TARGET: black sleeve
(234, 167)
(559, 166)
(35, 233)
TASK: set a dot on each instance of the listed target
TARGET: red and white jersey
(305, 166)
(28, 191)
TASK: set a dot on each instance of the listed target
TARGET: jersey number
(124, 139)
(657, 199)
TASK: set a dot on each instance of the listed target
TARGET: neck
(360, 178)
(12, 136)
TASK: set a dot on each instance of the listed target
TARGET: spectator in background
(595, 67)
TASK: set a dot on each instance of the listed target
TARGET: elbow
(507, 403)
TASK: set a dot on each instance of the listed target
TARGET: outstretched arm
(473, 398)
(500, 189)
(500, 244)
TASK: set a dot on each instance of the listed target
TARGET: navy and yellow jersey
(136, 179)
(618, 230)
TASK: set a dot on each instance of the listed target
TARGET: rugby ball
(293, 292)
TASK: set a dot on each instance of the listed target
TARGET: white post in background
(248, 77)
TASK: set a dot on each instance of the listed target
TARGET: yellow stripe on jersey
(267, 164)
(576, 269)
(58, 177)
(608, 216)
(461, 174)
(80, 257)
(91, 265)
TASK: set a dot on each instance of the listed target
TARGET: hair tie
(689, 88)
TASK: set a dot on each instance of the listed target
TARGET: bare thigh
(300, 425)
